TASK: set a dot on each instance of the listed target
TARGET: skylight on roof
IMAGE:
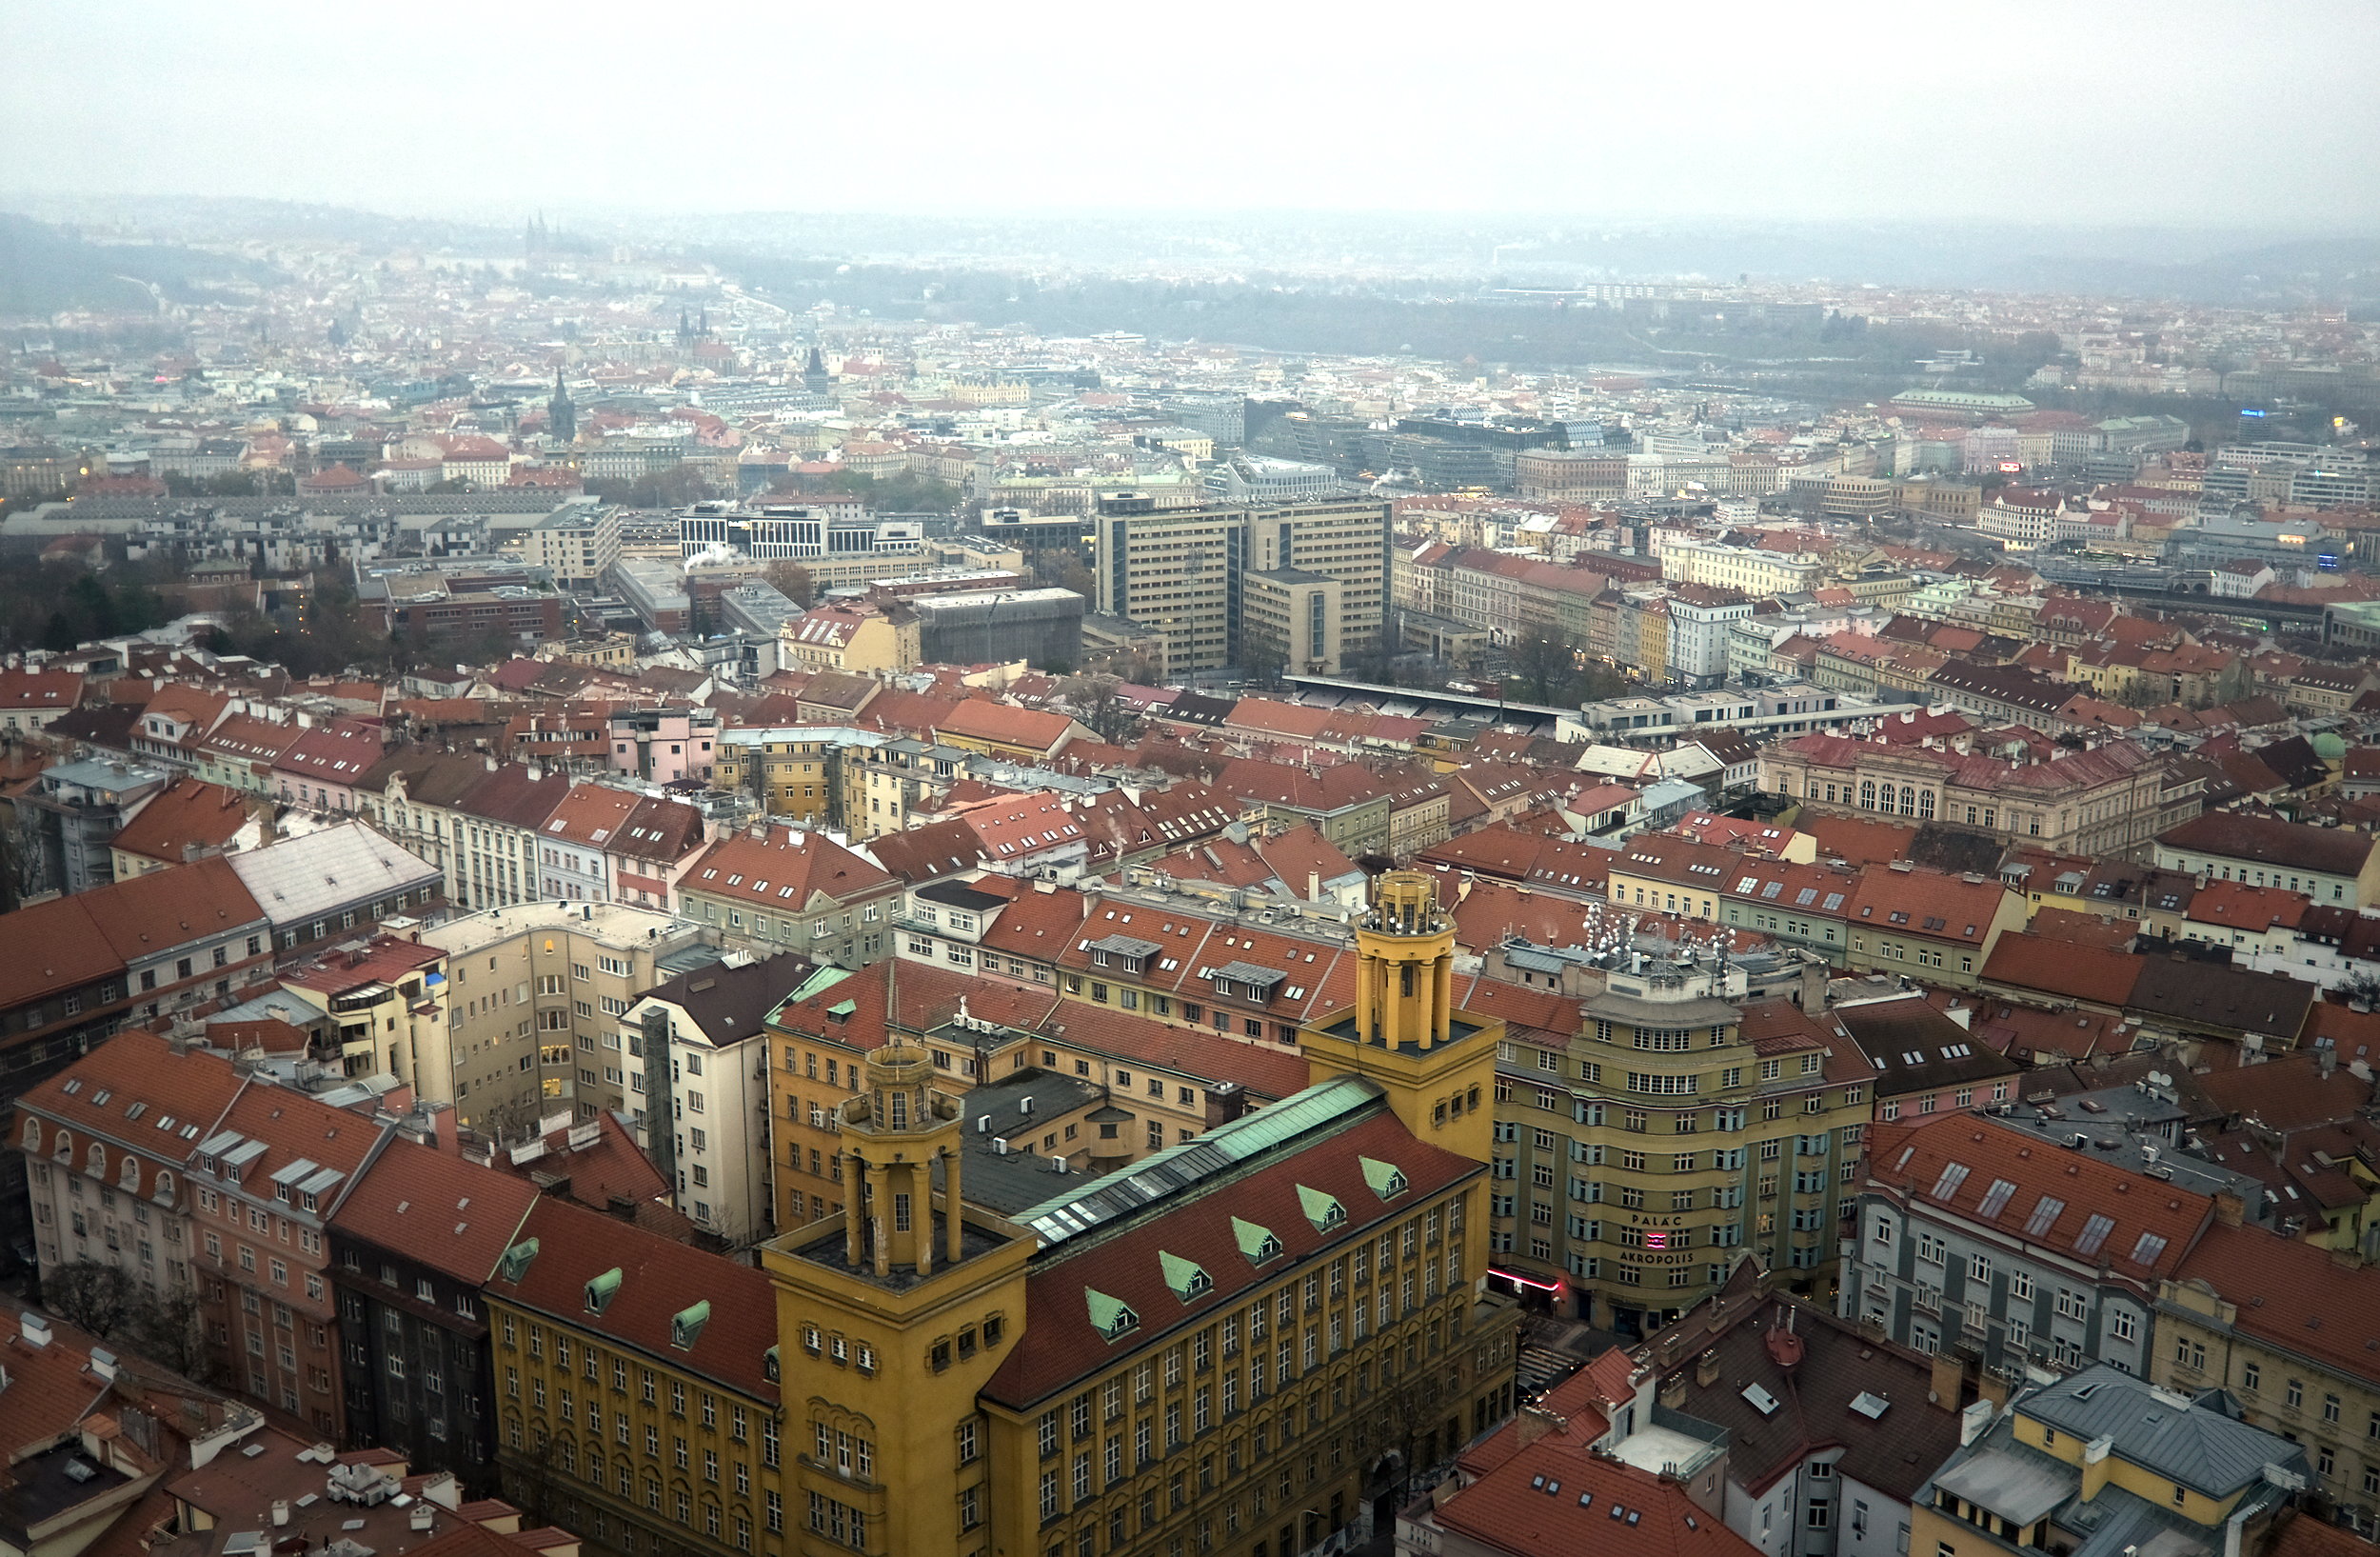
(2045, 1215)
(1996, 1199)
(2094, 1234)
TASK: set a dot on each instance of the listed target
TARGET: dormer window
(1256, 1243)
(1112, 1317)
(1187, 1278)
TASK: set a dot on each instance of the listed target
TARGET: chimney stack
(1947, 1381)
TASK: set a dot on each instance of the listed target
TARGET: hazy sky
(2182, 112)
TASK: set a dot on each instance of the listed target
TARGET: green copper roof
(1256, 1243)
(1111, 1317)
(825, 978)
(515, 1262)
(1201, 1158)
(1186, 1277)
(600, 1288)
(686, 1324)
(1323, 1210)
(2330, 745)
(1386, 1179)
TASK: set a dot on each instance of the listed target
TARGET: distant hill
(45, 270)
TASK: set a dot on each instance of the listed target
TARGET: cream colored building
(536, 1002)
(1753, 572)
(578, 543)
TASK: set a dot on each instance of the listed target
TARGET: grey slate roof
(2161, 1432)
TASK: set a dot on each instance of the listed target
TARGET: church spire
(562, 417)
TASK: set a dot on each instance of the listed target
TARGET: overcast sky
(2181, 111)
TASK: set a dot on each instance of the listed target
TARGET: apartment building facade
(1671, 1132)
(536, 1005)
(2112, 799)
(1971, 1233)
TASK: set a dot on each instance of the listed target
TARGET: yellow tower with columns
(1436, 1063)
(891, 1315)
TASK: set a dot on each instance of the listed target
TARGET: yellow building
(2102, 1444)
(1676, 1131)
(794, 769)
(636, 1389)
(2259, 1315)
(882, 784)
(848, 638)
(1236, 1347)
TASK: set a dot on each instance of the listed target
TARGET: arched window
(1909, 800)
(96, 1161)
(30, 1139)
(66, 1147)
(128, 1175)
(1925, 803)
(1866, 793)
(163, 1192)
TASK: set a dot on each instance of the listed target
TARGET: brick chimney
(2229, 1209)
(1536, 1421)
(1947, 1380)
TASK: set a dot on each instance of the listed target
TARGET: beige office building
(536, 1003)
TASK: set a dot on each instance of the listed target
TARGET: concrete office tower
(1228, 585)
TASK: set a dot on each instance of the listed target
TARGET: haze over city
(1261, 782)
(2098, 115)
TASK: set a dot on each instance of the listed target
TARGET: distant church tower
(562, 417)
(814, 373)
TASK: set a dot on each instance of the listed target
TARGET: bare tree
(92, 1296)
(793, 581)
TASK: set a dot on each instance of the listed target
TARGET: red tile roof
(924, 994)
(1061, 1345)
(173, 1092)
(450, 1214)
(338, 754)
(1556, 1495)
(2271, 841)
(1005, 725)
(73, 940)
(188, 814)
(2058, 1192)
(2040, 965)
(658, 1279)
(44, 689)
(2287, 1091)
(787, 872)
(2291, 1294)
(1929, 903)
(1022, 826)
